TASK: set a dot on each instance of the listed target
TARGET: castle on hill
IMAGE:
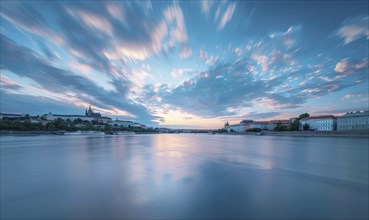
(91, 113)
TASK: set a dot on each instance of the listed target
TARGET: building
(103, 119)
(246, 124)
(90, 116)
(52, 117)
(358, 120)
(240, 127)
(263, 125)
(11, 116)
(91, 113)
(126, 124)
(320, 123)
(235, 128)
(273, 123)
(137, 125)
(121, 123)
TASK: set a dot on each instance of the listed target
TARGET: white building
(103, 120)
(320, 123)
(235, 128)
(121, 123)
(52, 117)
(353, 121)
(137, 125)
(263, 125)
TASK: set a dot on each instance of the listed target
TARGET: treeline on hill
(26, 124)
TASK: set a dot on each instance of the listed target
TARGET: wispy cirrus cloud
(242, 59)
(226, 15)
(346, 66)
(274, 81)
(60, 81)
(354, 28)
(206, 6)
(7, 83)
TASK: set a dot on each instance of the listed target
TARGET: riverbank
(266, 133)
(320, 133)
(309, 133)
(5, 132)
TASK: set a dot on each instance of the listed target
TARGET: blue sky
(185, 63)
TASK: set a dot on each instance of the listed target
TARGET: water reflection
(183, 176)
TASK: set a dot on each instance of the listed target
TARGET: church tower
(89, 112)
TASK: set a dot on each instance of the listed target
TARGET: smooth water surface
(183, 176)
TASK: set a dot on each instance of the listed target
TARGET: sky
(184, 64)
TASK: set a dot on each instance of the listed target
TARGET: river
(183, 176)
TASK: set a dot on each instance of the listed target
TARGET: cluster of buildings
(126, 124)
(89, 116)
(251, 124)
(351, 121)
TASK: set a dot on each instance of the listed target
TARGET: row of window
(354, 123)
(352, 127)
(351, 120)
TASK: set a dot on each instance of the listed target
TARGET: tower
(89, 112)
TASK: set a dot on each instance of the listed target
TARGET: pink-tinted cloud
(227, 16)
(354, 28)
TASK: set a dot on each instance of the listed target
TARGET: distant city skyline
(185, 64)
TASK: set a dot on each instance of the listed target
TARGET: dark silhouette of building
(91, 113)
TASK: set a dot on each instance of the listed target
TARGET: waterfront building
(358, 120)
(91, 113)
(273, 123)
(320, 123)
(90, 116)
(235, 128)
(52, 117)
(263, 125)
(103, 119)
(137, 125)
(240, 127)
(246, 124)
(121, 123)
(12, 116)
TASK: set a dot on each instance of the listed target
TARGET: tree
(296, 123)
(280, 127)
(305, 115)
(306, 127)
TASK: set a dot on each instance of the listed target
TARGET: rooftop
(79, 116)
(319, 117)
(357, 113)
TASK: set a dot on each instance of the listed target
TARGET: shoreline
(309, 133)
(267, 133)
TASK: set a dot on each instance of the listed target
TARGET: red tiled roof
(318, 117)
